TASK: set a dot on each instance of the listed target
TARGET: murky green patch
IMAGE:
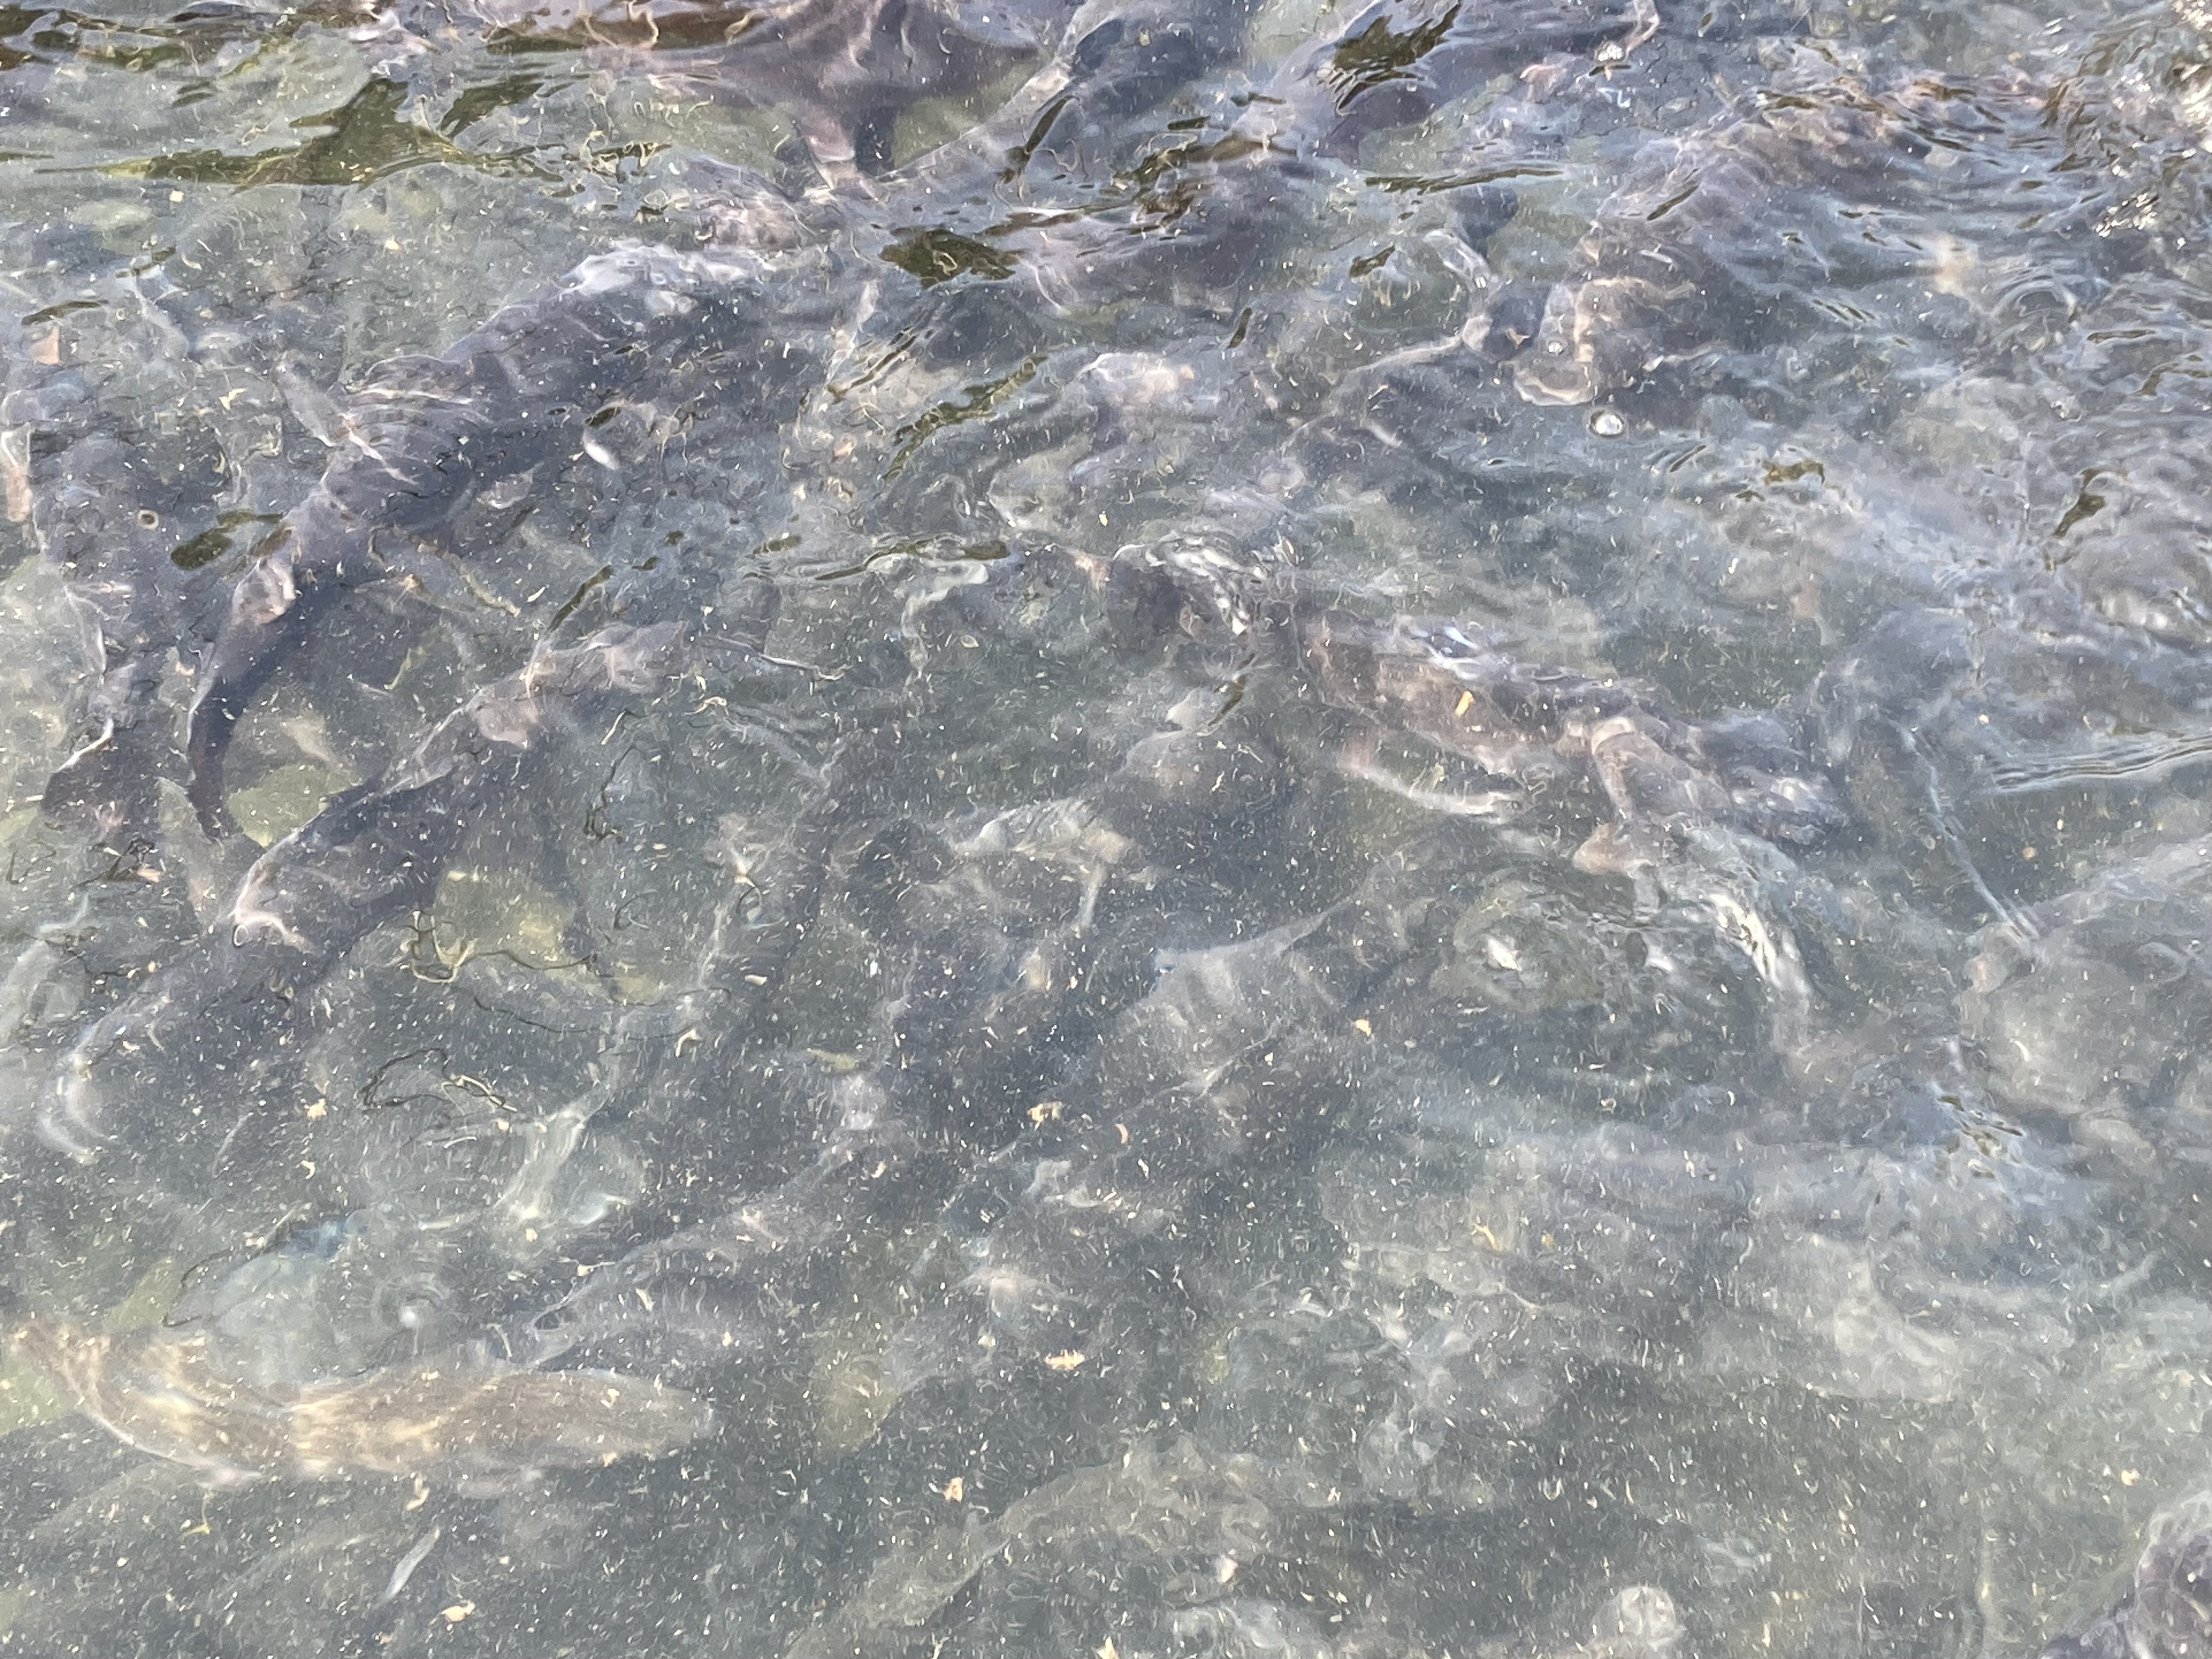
(286, 797)
(494, 912)
(938, 255)
(28, 1398)
(362, 141)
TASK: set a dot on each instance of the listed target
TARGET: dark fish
(2167, 1611)
(848, 66)
(131, 504)
(1542, 728)
(373, 852)
(425, 433)
(724, 1292)
(1820, 185)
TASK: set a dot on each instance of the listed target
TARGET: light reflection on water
(1177, 828)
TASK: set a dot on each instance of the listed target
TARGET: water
(1173, 828)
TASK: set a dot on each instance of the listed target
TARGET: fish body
(452, 1418)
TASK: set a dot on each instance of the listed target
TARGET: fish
(373, 852)
(2166, 1612)
(424, 432)
(454, 1419)
(1824, 181)
(845, 68)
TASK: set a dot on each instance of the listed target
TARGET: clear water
(1176, 829)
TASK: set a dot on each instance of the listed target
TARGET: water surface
(1188, 828)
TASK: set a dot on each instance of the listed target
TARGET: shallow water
(1180, 829)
